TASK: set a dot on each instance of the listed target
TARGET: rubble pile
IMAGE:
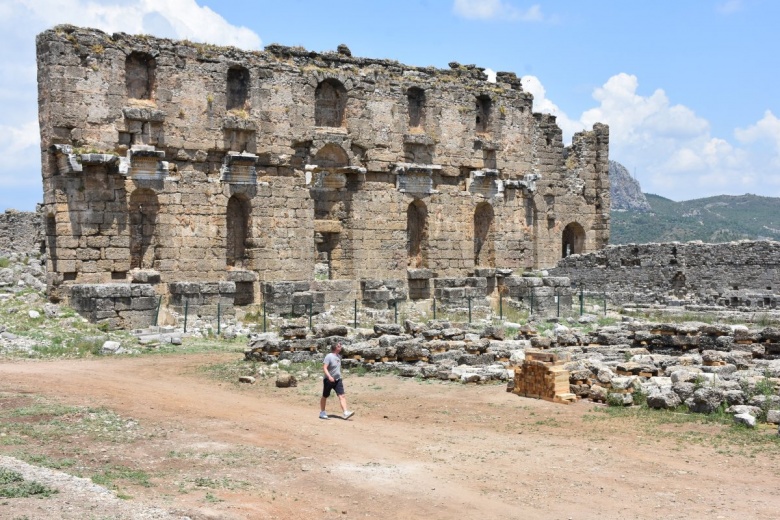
(702, 367)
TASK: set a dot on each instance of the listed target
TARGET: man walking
(332, 381)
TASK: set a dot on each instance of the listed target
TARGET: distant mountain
(714, 219)
(624, 190)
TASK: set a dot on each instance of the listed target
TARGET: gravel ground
(76, 499)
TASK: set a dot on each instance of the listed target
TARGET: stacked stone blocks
(128, 306)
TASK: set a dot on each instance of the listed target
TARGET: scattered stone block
(746, 419)
(285, 380)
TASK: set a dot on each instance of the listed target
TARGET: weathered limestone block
(392, 329)
(323, 331)
(705, 400)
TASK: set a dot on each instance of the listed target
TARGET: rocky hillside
(723, 218)
(625, 191)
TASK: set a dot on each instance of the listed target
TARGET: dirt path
(414, 449)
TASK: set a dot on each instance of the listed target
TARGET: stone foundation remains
(20, 232)
(701, 366)
(189, 163)
(127, 306)
(744, 275)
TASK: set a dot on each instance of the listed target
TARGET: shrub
(13, 485)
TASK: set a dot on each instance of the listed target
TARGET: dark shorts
(327, 386)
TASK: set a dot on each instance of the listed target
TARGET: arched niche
(144, 208)
(417, 234)
(237, 230)
(484, 247)
(572, 240)
(237, 95)
(416, 103)
(330, 103)
(139, 75)
(484, 109)
(331, 156)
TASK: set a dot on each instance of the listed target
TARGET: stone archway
(572, 240)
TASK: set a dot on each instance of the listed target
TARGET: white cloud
(730, 6)
(543, 104)
(21, 144)
(766, 129)
(496, 9)
(635, 116)
(172, 18)
(670, 146)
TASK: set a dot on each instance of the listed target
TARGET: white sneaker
(324, 415)
(348, 414)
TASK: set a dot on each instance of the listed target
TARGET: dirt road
(414, 449)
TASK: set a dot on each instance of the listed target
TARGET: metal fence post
(434, 307)
(264, 316)
(355, 314)
(186, 311)
(395, 309)
(219, 319)
(582, 298)
(605, 303)
(500, 306)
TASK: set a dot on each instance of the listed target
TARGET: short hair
(334, 346)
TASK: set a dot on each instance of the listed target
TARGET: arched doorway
(484, 248)
(144, 208)
(573, 240)
(237, 224)
(417, 234)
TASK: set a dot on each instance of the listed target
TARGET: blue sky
(689, 89)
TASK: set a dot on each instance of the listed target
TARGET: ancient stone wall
(209, 164)
(738, 274)
(127, 306)
(20, 231)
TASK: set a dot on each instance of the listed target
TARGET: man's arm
(327, 374)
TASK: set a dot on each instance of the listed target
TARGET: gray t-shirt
(334, 365)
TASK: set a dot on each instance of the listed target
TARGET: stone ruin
(20, 232)
(222, 177)
(701, 367)
(742, 276)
